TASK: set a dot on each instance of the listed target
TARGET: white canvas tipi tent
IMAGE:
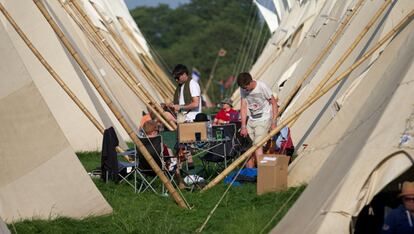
(360, 134)
(3, 228)
(363, 149)
(40, 175)
(80, 132)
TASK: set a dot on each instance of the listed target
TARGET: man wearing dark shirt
(401, 219)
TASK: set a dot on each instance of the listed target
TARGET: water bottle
(209, 131)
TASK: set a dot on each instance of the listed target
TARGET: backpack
(284, 143)
(281, 143)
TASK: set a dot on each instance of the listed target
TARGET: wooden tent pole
(154, 73)
(352, 47)
(269, 62)
(111, 105)
(53, 73)
(132, 82)
(157, 72)
(325, 50)
(125, 49)
(306, 105)
(348, 52)
(160, 73)
(128, 31)
(129, 77)
(135, 87)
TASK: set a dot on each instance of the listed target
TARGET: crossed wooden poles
(85, 68)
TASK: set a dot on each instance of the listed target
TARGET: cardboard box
(187, 132)
(272, 173)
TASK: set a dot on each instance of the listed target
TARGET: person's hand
(273, 126)
(176, 107)
(243, 132)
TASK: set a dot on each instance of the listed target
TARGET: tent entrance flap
(371, 217)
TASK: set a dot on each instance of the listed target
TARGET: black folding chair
(222, 150)
(148, 177)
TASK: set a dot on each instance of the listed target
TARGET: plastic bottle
(209, 131)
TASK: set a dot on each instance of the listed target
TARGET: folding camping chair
(147, 176)
(222, 151)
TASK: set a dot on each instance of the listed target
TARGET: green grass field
(242, 211)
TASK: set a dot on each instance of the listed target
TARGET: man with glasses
(187, 96)
(401, 219)
(258, 98)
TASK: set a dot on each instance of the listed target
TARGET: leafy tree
(193, 33)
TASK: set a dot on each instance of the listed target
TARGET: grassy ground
(242, 211)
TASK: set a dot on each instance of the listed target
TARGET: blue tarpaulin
(246, 175)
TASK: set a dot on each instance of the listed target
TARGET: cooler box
(272, 173)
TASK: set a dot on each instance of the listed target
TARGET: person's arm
(193, 105)
(388, 226)
(195, 98)
(243, 115)
(220, 118)
(275, 111)
(216, 118)
(216, 121)
(170, 117)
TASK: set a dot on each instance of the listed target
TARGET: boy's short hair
(244, 79)
(178, 70)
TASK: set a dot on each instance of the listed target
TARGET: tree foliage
(192, 34)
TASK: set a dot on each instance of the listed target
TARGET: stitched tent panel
(313, 120)
(128, 103)
(80, 132)
(40, 176)
(360, 151)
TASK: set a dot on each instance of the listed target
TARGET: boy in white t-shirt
(187, 96)
(257, 97)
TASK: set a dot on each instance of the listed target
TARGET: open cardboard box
(189, 132)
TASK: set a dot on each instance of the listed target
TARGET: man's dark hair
(178, 70)
(244, 79)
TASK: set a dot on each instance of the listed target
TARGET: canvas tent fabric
(347, 162)
(115, 85)
(330, 112)
(316, 37)
(40, 176)
(286, 45)
(271, 18)
(269, 69)
(362, 147)
(318, 115)
(118, 8)
(3, 228)
(80, 132)
(131, 105)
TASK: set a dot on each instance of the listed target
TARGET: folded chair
(112, 168)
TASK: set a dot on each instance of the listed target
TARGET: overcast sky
(152, 3)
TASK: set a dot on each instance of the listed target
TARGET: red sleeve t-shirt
(231, 115)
